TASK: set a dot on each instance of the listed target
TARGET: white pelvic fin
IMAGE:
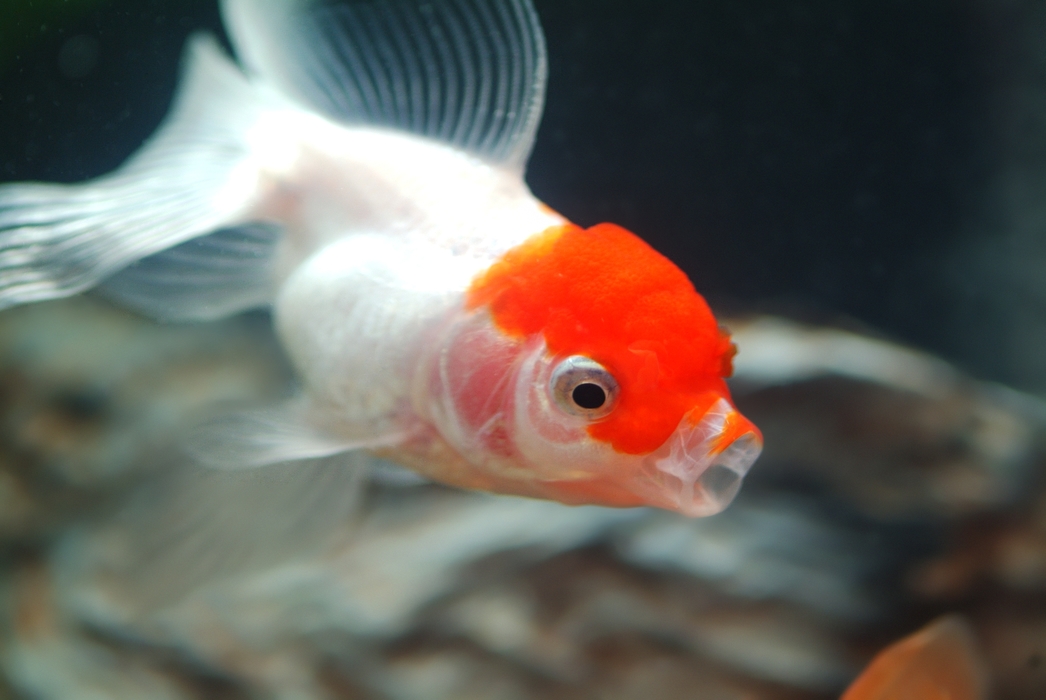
(284, 433)
(203, 279)
(471, 73)
(194, 527)
(194, 176)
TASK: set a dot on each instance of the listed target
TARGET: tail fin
(194, 176)
(939, 662)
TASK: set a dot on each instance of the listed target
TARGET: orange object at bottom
(939, 662)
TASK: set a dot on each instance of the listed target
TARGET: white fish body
(353, 304)
(361, 175)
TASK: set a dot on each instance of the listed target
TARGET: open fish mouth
(699, 470)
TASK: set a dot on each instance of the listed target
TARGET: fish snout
(699, 469)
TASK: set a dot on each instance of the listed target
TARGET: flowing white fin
(284, 433)
(193, 527)
(202, 279)
(471, 73)
(194, 176)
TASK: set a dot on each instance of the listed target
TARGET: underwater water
(855, 186)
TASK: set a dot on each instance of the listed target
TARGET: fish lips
(699, 469)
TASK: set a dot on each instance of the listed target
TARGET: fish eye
(583, 387)
(588, 395)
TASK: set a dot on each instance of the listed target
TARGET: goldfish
(939, 662)
(359, 170)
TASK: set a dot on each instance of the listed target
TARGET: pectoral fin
(289, 432)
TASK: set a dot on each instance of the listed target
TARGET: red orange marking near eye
(604, 293)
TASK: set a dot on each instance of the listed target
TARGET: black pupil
(589, 396)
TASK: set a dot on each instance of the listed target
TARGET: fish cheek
(476, 379)
(552, 443)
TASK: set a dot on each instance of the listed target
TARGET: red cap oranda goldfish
(939, 662)
(360, 171)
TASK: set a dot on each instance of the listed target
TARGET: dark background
(824, 156)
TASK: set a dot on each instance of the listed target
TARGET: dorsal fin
(470, 73)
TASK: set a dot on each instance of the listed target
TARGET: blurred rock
(92, 397)
(891, 488)
(896, 432)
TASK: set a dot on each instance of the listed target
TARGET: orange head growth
(604, 293)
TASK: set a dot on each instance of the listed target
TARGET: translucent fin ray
(193, 177)
(203, 279)
(195, 527)
(471, 73)
(284, 433)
